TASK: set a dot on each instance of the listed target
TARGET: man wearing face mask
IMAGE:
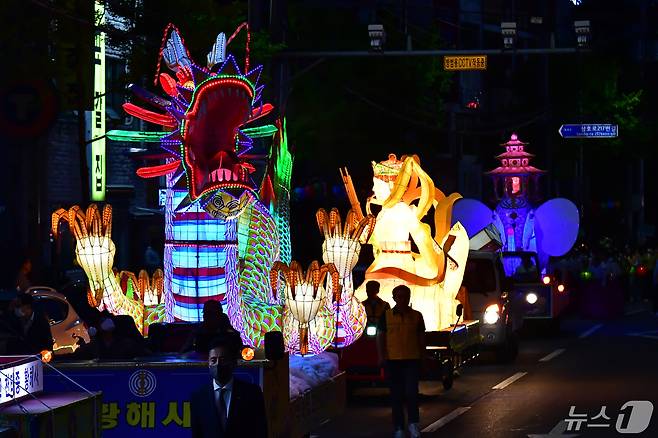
(227, 407)
(30, 326)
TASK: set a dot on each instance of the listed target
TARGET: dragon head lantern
(209, 114)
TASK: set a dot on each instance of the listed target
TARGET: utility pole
(280, 67)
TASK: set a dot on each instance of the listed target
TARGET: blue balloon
(472, 214)
(556, 226)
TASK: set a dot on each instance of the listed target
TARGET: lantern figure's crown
(387, 170)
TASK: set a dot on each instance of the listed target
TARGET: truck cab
(491, 301)
(544, 298)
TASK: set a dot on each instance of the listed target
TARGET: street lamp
(377, 36)
(508, 29)
(582, 33)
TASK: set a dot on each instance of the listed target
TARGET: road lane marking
(552, 355)
(651, 334)
(557, 431)
(445, 419)
(507, 382)
(588, 332)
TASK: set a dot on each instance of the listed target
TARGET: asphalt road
(591, 364)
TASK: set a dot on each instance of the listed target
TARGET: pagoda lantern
(515, 179)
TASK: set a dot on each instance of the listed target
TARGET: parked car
(65, 324)
(492, 301)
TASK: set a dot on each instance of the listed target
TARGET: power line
(414, 53)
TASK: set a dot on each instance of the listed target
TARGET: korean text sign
(144, 401)
(19, 378)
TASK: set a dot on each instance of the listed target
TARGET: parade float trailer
(414, 215)
(227, 239)
(150, 396)
(530, 233)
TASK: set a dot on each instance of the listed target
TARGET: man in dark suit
(215, 323)
(227, 407)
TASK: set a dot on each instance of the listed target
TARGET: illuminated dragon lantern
(223, 229)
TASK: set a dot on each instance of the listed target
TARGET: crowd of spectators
(633, 271)
(25, 329)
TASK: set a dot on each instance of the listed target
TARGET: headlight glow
(492, 314)
(546, 279)
(531, 298)
(560, 288)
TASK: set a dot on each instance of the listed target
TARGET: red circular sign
(27, 108)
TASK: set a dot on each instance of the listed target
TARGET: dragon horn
(218, 51)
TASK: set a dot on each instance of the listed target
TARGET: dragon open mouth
(218, 108)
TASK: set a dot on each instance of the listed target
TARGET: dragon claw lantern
(94, 250)
(341, 247)
(307, 305)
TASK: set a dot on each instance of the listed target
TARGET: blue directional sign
(589, 130)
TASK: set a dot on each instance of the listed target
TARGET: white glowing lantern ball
(342, 252)
(95, 254)
(303, 306)
(150, 297)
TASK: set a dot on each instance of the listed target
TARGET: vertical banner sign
(97, 139)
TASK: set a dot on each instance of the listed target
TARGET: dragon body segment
(223, 230)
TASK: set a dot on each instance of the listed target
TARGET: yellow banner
(476, 62)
